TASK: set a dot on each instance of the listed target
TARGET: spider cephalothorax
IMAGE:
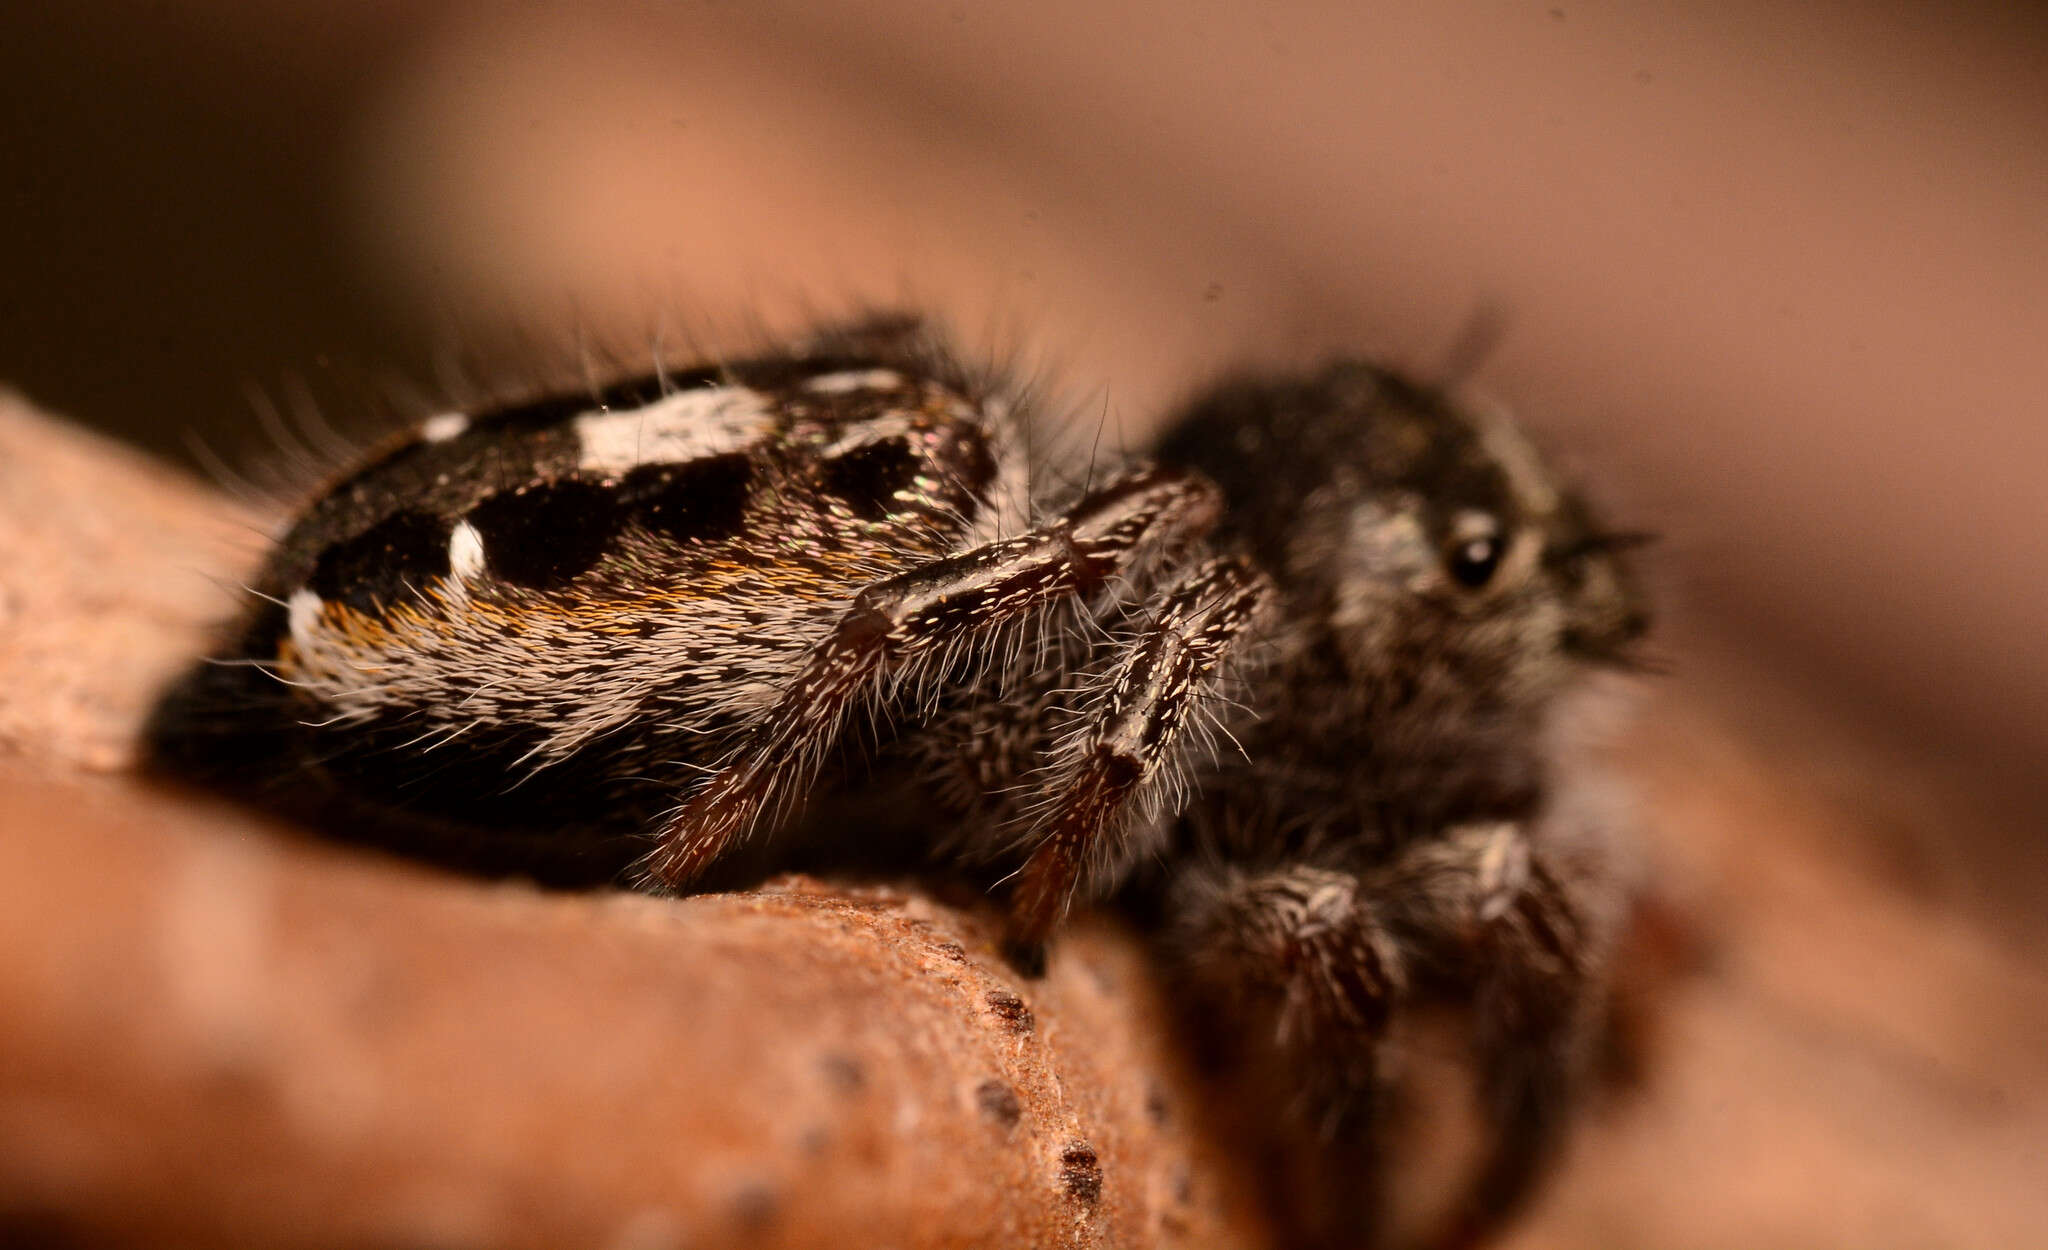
(1397, 829)
(1302, 664)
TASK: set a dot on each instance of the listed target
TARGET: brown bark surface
(213, 1032)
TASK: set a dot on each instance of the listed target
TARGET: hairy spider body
(639, 630)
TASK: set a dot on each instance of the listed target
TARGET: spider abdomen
(557, 611)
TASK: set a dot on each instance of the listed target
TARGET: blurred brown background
(1775, 275)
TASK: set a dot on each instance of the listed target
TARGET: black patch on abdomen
(699, 501)
(868, 477)
(966, 468)
(544, 534)
(385, 563)
(968, 458)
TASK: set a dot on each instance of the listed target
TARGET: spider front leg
(1131, 739)
(1289, 979)
(1513, 929)
(916, 614)
(1300, 948)
(1305, 968)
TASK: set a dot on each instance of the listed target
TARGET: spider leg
(1295, 974)
(1108, 533)
(1318, 962)
(1307, 940)
(1504, 922)
(1131, 740)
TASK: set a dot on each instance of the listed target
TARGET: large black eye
(1475, 548)
(1473, 560)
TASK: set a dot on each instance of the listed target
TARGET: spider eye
(1473, 560)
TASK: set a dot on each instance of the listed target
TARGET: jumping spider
(631, 631)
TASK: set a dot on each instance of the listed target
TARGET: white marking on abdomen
(443, 426)
(688, 425)
(875, 429)
(855, 380)
(465, 552)
(302, 610)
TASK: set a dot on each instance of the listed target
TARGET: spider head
(1423, 541)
